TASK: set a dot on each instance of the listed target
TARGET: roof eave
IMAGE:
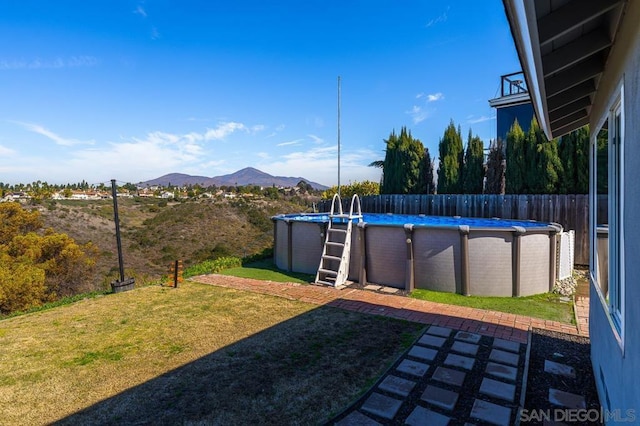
(524, 29)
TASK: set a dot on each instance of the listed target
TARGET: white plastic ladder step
(335, 243)
(328, 271)
(329, 257)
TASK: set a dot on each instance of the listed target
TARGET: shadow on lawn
(306, 370)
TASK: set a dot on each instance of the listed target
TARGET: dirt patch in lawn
(198, 354)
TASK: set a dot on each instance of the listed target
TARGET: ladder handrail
(333, 204)
(355, 199)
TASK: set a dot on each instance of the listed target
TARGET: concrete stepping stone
(413, 368)
(439, 331)
(465, 336)
(357, 419)
(498, 389)
(390, 290)
(502, 371)
(439, 397)
(397, 385)
(559, 369)
(491, 413)
(449, 376)
(504, 357)
(506, 345)
(421, 416)
(566, 399)
(372, 287)
(430, 340)
(423, 353)
(459, 361)
(381, 405)
(465, 348)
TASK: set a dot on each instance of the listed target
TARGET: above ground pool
(471, 256)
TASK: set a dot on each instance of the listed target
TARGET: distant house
(581, 61)
(514, 103)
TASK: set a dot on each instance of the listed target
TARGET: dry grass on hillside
(196, 354)
(155, 234)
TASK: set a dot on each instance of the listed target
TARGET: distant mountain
(246, 176)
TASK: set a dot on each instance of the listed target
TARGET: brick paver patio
(488, 323)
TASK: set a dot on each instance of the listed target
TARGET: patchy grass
(267, 271)
(197, 354)
(546, 306)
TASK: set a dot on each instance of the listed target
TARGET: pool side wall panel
(437, 261)
(307, 245)
(386, 255)
(281, 251)
(354, 261)
(534, 264)
(490, 263)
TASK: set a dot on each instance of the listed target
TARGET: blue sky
(132, 90)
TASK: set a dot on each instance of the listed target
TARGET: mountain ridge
(242, 177)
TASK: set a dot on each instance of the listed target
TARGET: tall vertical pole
(114, 194)
(338, 135)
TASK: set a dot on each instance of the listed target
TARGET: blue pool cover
(401, 219)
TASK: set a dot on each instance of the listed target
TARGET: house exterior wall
(505, 117)
(616, 363)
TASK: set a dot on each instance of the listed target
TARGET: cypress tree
(574, 154)
(473, 171)
(426, 173)
(516, 162)
(401, 168)
(495, 183)
(451, 160)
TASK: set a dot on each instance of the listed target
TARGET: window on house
(607, 263)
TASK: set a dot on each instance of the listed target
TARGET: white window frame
(615, 303)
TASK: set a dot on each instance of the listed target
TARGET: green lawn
(265, 270)
(197, 354)
(546, 306)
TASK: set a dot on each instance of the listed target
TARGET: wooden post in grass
(175, 273)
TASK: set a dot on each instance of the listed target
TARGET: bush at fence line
(212, 266)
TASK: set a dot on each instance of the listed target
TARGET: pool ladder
(336, 253)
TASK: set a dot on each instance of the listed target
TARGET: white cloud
(419, 95)
(263, 155)
(289, 143)
(59, 140)
(55, 63)
(418, 114)
(5, 152)
(440, 18)
(140, 11)
(155, 34)
(435, 97)
(258, 128)
(224, 130)
(353, 165)
(316, 139)
(480, 119)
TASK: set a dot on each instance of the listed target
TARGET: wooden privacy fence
(570, 211)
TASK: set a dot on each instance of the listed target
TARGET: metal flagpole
(338, 135)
